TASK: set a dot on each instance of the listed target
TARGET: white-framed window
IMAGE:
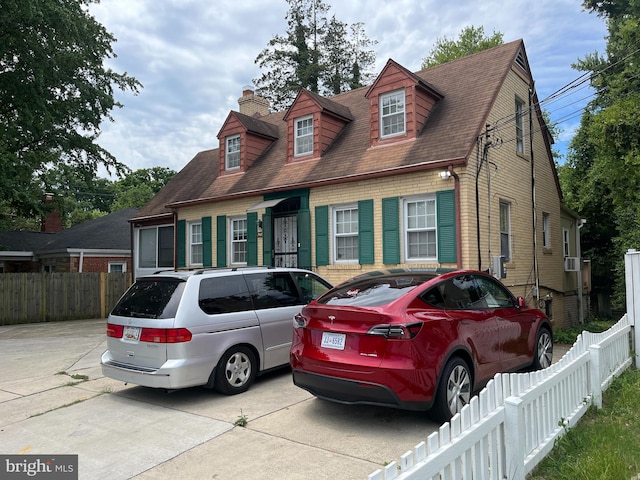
(546, 239)
(117, 267)
(195, 243)
(238, 240)
(519, 125)
(420, 229)
(392, 114)
(232, 156)
(565, 242)
(155, 247)
(303, 135)
(505, 230)
(345, 234)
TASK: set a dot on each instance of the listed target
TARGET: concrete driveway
(54, 400)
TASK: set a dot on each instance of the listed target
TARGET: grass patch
(594, 325)
(75, 376)
(605, 444)
(58, 408)
(242, 420)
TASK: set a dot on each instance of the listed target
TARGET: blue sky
(193, 58)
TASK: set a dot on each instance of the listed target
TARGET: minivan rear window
(151, 298)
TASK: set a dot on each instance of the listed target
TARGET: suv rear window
(151, 298)
(374, 291)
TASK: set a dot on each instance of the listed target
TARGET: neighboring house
(99, 245)
(449, 167)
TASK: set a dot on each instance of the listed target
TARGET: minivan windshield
(151, 298)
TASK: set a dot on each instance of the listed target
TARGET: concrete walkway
(54, 400)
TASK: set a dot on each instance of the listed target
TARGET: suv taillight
(165, 335)
(396, 331)
(114, 331)
(299, 321)
(153, 335)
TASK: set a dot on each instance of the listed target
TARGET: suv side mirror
(521, 302)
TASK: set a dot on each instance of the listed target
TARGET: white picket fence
(505, 431)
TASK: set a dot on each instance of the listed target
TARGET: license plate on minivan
(333, 340)
(131, 334)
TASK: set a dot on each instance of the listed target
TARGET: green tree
(55, 90)
(471, 40)
(78, 194)
(138, 187)
(604, 156)
(316, 53)
(346, 51)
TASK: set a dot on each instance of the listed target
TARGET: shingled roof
(468, 86)
(110, 232)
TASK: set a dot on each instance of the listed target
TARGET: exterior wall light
(445, 175)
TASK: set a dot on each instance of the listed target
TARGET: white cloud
(194, 56)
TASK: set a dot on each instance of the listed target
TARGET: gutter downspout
(580, 224)
(81, 261)
(478, 167)
(533, 200)
(175, 239)
(456, 187)
(133, 250)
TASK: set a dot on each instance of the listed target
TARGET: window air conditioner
(571, 264)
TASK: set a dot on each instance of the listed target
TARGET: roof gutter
(329, 181)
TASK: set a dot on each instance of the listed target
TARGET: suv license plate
(131, 334)
(333, 340)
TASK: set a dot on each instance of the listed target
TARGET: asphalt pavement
(54, 400)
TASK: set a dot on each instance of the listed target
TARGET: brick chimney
(252, 104)
(52, 222)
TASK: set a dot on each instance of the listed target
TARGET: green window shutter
(365, 232)
(182, 243)
(322, 235)
(267, 239)
(304, 238)
(446, 203)
(252, 238)
(207, 247)
(390, 231)
(221, 241)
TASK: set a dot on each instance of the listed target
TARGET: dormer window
(232, 157)
(304, 136)
(392, 114)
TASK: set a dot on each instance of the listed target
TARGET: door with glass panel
(285, 241)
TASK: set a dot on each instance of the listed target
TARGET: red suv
(415, 339)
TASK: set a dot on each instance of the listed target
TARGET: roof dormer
(399, 104)
(313, 123)
(242, 140)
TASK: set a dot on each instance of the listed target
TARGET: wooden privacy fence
(513, 423)
(51, 297)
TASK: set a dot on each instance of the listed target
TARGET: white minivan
(212, 327)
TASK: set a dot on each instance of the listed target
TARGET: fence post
(514, 438)
(103, 295)
(632, 281)
(594, 375)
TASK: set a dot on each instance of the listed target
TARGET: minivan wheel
(544, 350)
(236, 371)
(454, 391)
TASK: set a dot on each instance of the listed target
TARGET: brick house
(99, 245)
(449, 167)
